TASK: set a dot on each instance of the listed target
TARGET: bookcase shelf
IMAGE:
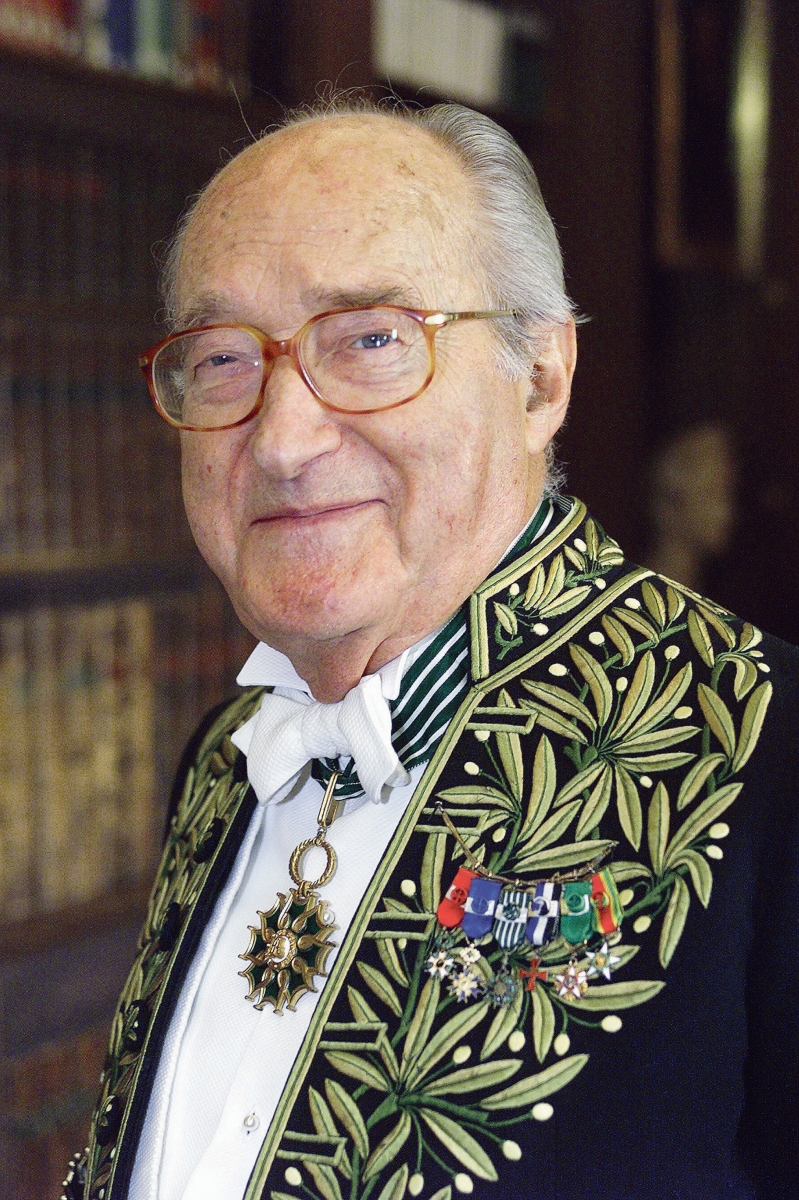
(179, 124)
(74, 577)
(115, 637)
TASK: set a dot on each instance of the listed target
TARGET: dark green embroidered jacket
(607, 706)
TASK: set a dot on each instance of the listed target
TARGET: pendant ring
(297, 855)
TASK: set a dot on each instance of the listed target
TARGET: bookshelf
(114, 636)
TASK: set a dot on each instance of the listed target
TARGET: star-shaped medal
(288, 949)
(572, 983)
(602, 961)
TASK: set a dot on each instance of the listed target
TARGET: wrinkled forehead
(345, 189)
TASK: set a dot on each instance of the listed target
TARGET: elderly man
(484, 884)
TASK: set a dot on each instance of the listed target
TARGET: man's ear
(549, 387)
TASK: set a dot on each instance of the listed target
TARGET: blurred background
(663, 133)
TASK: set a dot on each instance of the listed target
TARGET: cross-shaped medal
(532, 974)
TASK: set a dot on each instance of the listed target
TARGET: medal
(291, 945)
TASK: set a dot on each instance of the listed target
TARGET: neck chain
(292, 942)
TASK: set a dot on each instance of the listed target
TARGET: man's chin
(311, 609)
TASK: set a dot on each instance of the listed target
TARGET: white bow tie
(289, 733)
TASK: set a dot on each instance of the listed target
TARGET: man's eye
(375, 341)
(218, 360)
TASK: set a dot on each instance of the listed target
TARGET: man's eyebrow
(332, 298)
(211, 307)
(205, 310)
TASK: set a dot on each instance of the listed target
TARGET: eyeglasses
(354, 360)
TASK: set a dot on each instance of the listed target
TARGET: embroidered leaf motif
(620, 638)
(638, 694)
(377, 982)
(348, 1114)
(674, 920)
(700, 637)
(321, 1115)
(448, 1036)
(325, 1126)
(507, 618)
(658, 739)
(469, 794)
(745, 676)
(703, 815)
(395, 1188)
(556, 578)
(502, 1026)
(665, 704)
(444, 1193)
(655, 762)
(596, 804)
(430, 879)
(325, 1179)
(568, 855)
(654, 602)
(390, 959)
(675, 603)
(751, 724)
(566, 602)
(542, 788)
(701, 874)
(543, 1022)
(658, 827)
(622, 871)
(460, 1144)
(470, 1079)
(596, 678)
(356, 1068)
(535, 586)
(610, 996)
(637, 622)
(419, 1029)
(387, 1150)
(510, 752)
(553, 827)
(560, 699)
(536, 1087)
(580, 782)
(718, 718)
(696, 779)
(721, 627)
(629, 806)
(553, 721)
(361, 1010)
(750, 637)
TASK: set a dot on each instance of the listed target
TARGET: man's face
(326, 527)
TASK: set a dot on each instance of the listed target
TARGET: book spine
(17, 832)
(153, 47)
(121, 33)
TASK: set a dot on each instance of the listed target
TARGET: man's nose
(293, 427)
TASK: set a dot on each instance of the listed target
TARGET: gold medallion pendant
(292, 942)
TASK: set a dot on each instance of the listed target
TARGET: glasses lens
(366, 359)
(210, 378)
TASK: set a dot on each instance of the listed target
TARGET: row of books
(96, 704)
(89, 474)
(478, 53)
(83, 224)
(182, 41)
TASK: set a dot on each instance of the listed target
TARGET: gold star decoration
(288, 949)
